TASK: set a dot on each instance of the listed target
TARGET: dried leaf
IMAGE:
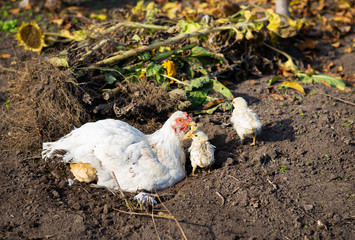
(336, 44)
(98, 16)
(14, 10)
(308, 43)
(294, 85)
(277, 97)
(342, 19)
(5, 55)
(212, 103)
(348, 50)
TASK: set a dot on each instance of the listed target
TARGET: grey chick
(245, 121)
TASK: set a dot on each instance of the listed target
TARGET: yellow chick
(244, 120)
(83, 172)
(201, 151)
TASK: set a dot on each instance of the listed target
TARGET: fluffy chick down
(244, 120)
(201, 150)
(83, 172)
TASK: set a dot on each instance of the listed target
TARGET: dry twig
(145, 214)
(339, 99)
(220, 195)
(128, 203)
(155, 226)
(177, 222)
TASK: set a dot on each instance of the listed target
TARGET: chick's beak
(187, 136)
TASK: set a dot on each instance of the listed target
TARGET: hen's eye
(179, 120)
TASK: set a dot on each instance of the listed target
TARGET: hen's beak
(194, 127)
(187, 135)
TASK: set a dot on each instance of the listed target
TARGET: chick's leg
(253, 143)
(193, 171)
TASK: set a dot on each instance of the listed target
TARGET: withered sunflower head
(30, 37)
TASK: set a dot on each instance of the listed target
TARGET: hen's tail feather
(49, 153)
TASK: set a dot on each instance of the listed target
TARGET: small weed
(280, 124)
(326, 215)
(325, 155)
(283, 169)
(294, 207)
(347, 124)
(352, 195)
(305, 226)
(347, 207)
(39, 18)
(184, 195)
(334, 104)
(301, 114)
(8, 26)
(313, 93)
(7, 104)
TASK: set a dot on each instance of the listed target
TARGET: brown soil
(296, 183)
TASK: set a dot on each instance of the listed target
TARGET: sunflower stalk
(178, 38)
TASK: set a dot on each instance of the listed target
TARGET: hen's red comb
(188, 117)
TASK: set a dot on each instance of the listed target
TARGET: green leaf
(198, 65)
(197, 83)
(189, 26)
(322, 78)
(197, 97)
(202, 52)
(189, 71)
(110, 78)
(219, 87)
(153, 69)
(159, 78)
(273, 80)
(145, 56)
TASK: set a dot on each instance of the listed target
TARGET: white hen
(139, 161)
(244, 120)
(201, 150)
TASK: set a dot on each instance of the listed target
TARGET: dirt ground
(296, 183)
